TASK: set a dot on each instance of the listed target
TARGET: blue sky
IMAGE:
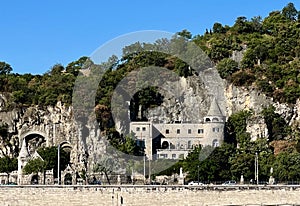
(35, 35)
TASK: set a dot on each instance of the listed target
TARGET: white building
(173, 141)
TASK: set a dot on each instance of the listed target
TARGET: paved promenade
(147, 195)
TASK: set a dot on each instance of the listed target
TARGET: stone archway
(68, 179)
(69, 174)
(32, 135)
(35, 179)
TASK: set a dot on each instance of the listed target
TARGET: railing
(165, 187)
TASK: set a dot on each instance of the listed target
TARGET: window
(200, 131)
(178, 131)
(173, 156)
(189, 144)
(189, 131)
(215, 143)
(144, 128)
(137, 129)
(216, 129)
(140, 143)
(163, 156)
(167, 131)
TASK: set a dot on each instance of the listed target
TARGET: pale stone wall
(74, 196)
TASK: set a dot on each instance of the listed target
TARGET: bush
(226, 67)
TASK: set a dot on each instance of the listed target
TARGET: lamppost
(144, 169)
(58, 164)
(198, 173)
(174, 175)
(256, 167)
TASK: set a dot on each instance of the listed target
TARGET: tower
(22, 160)
(214, 123)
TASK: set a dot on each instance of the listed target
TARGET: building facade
(176, 140)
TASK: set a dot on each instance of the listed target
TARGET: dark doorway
(68, 179)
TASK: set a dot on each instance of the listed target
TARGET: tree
(242, 25)
(290, 12)
(236, 128)
(242, 164)
(256, 23)
(34, 166)
(74, 67)
(218, 28)
(276, 125)
(226, 67)
(8, 164)
(130, 146)
(49, 155)
(287, 166)
(5, 68)
(185, 33)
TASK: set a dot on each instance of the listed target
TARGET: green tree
(236, 128)
(290, 12)
(129, 146)
(74, 67)
(242, 164)
(8, 164)
(218, 28)
(34, 166)
(49, 155)
(242, 25)
(287, 166)
(5, 68)
(185, 33)
(256, 23)
(276, 125)
(226, 67)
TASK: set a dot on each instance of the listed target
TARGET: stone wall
(138, 196)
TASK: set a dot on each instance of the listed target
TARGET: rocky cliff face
(198, 91)
(48, 126)
(52, 125)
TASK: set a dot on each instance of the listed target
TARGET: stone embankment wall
(139, 196)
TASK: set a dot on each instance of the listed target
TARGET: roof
(24, 152)
(214, 109)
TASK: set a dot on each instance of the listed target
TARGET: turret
(214, 123)
(22, 160)
(214, 113)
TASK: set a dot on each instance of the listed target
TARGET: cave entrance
(35, 141)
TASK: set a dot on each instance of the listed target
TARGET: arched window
(215, 143)
(207, 119)
(165, 145)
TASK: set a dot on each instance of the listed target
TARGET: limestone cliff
(52, 125)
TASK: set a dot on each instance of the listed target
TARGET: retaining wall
(145, 195)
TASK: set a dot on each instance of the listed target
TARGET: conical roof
(24, 152)
(214, 109)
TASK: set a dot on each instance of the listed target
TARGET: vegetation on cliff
(270, 63)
